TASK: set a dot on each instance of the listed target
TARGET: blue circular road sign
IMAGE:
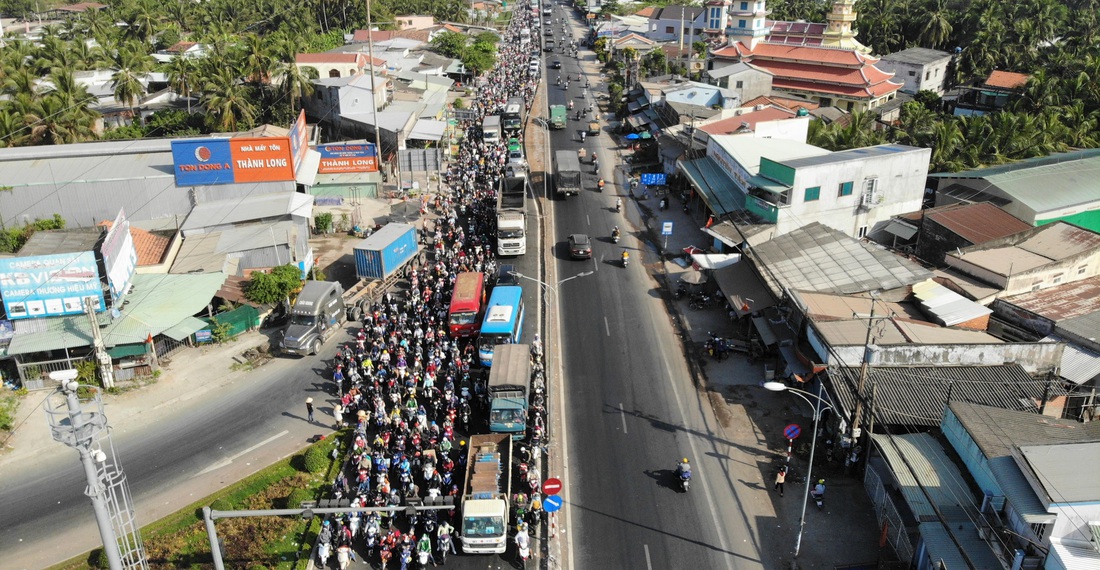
(792, 431)
(552, 504)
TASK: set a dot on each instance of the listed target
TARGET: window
(1081, 270)
(851, 106)
(744, 5)
(334, 73)
(862, 232)
(812, 194)
(927, 75)
(1057, 278)
(845, 189)
(912, 73)
(740, 23)
(740, 84)
(668, 30)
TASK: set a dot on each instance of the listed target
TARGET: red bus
(467, 301)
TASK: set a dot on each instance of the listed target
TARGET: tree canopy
(273, 287)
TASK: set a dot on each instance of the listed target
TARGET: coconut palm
(937, 27)
(182, 74)
(131, 67)
(227, 100)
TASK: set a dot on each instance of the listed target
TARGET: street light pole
(818, 409)
(547, 285)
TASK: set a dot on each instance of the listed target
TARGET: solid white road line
(648, 563)
(606, 326)
(228, 461)
(622, 415)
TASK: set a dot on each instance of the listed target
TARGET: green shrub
(8, 406)
(98, 559)
(221, 505)
(316, 459)
(297, 496)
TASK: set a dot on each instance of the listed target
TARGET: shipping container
(385, 251)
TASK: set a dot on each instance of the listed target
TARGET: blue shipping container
(385, 251)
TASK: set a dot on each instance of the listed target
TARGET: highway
(632, 409)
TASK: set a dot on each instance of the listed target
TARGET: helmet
(685, 460)
(309, 400)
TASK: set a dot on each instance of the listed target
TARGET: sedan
(580, 247)
(556, 64)
(549, 46)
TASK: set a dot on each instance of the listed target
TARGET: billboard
(205, 162)
(299, 140)
(337, 158)
(119, 257)
(49, 285)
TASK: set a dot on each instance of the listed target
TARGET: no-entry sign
(552, 486)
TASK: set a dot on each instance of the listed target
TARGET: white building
(921, 69)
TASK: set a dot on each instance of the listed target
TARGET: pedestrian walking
(309, 409)
(338, 413)
(780, 478)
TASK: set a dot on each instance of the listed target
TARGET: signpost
(552, 486)
(666, 230)
(792, 431)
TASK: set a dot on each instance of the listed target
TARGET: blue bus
(503, 323)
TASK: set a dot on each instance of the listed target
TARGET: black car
(548, 46)
(556, 64)
(580, 247)
(505, 277)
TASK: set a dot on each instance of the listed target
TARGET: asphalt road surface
(632, 411)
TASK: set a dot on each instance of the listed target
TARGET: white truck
(512, 216)
(486, 494)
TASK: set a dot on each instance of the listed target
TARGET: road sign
(666, 229)
(792, 431)
(552, 504)
(552, 486)
(654, 179)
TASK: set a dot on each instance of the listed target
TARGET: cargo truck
(491, 132)
(323, 306)
(509, 381)
(567, 173)
(512, 216)
(486, 493)
(559, 116)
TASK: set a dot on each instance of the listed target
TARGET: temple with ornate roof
(822, 62)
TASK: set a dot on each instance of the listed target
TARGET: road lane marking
(622, 415)
(588, 219)
(648, 563)
(606, 326)
(226, 462)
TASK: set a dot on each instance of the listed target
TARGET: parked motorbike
(700, 301)
(818, 494)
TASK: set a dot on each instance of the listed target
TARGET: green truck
(558, 116)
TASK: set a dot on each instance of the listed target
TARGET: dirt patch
(721, 411)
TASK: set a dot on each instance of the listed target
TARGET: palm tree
(131, 67)
(182, 72)
(227, 101)
(256, 60)
(296, 81)
(937, 27)
(13, 131)
(945, 139)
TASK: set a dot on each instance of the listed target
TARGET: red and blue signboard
(206, 162)
(347, 157)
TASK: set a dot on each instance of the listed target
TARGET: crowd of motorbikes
(410, 390)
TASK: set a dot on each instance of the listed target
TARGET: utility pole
(864, 370)
(82, 425)
(102, 358)
(374, 96)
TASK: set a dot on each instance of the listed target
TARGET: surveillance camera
(100, 457)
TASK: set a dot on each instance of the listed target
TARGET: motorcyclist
(683, 469)
(626, 257)
(559, 79)
(818, 490)
(618, 204)
(615, 234)
(523, 540)
(601, 183)
(570, 104)
(424, 545)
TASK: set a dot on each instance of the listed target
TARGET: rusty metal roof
(1062, 302)
(977, 223)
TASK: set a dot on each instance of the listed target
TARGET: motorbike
(523, 547)
(626, 259)
(685, 478)
(618, 205)
(583, 134)
(423, 557)
(614, 237)
(681, 291)
(700, 301)
(818, 494)
(716, 347)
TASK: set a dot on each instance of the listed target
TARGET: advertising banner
(120, 257)
(205, 162)
(49, 285)
(299, 140)
(338, 158)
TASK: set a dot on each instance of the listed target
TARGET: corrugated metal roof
(1018, 491)
(62, 241)
(1060, 302)
(1075, 557)
(977, 223)
(1079, 364)
(52, 333)
(819, 258)
(741, 286)
(971, 287)
(101, 161)
(226, 212)
(918, 461)
(1063, 485)
(852, 154)
(1084, 329)
(947, 307)
(712, 182)
(1036, 248)
(997, 430)
(185, 328)
(918, 396)
(160, 301)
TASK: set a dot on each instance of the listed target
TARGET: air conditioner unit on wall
(871, 198)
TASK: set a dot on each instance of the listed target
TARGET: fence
(166, 346)
(887, 515)
(36, 375)
(241, 319)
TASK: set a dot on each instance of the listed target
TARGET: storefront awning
(714, 185)
(715, 260)
(743, 289)
(127, 350)
(185, 328)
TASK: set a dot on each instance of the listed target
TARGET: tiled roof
(766, 50)
(181, 47)
(918, 396)
(861, 76)
(327, 58)
(1006, 80)
(420, 35)
(732, 124)
(150, 246)
(1062, 302)
(849, 91)
(376, 35)
(979, 222)
(646, 12)
(782, 28)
